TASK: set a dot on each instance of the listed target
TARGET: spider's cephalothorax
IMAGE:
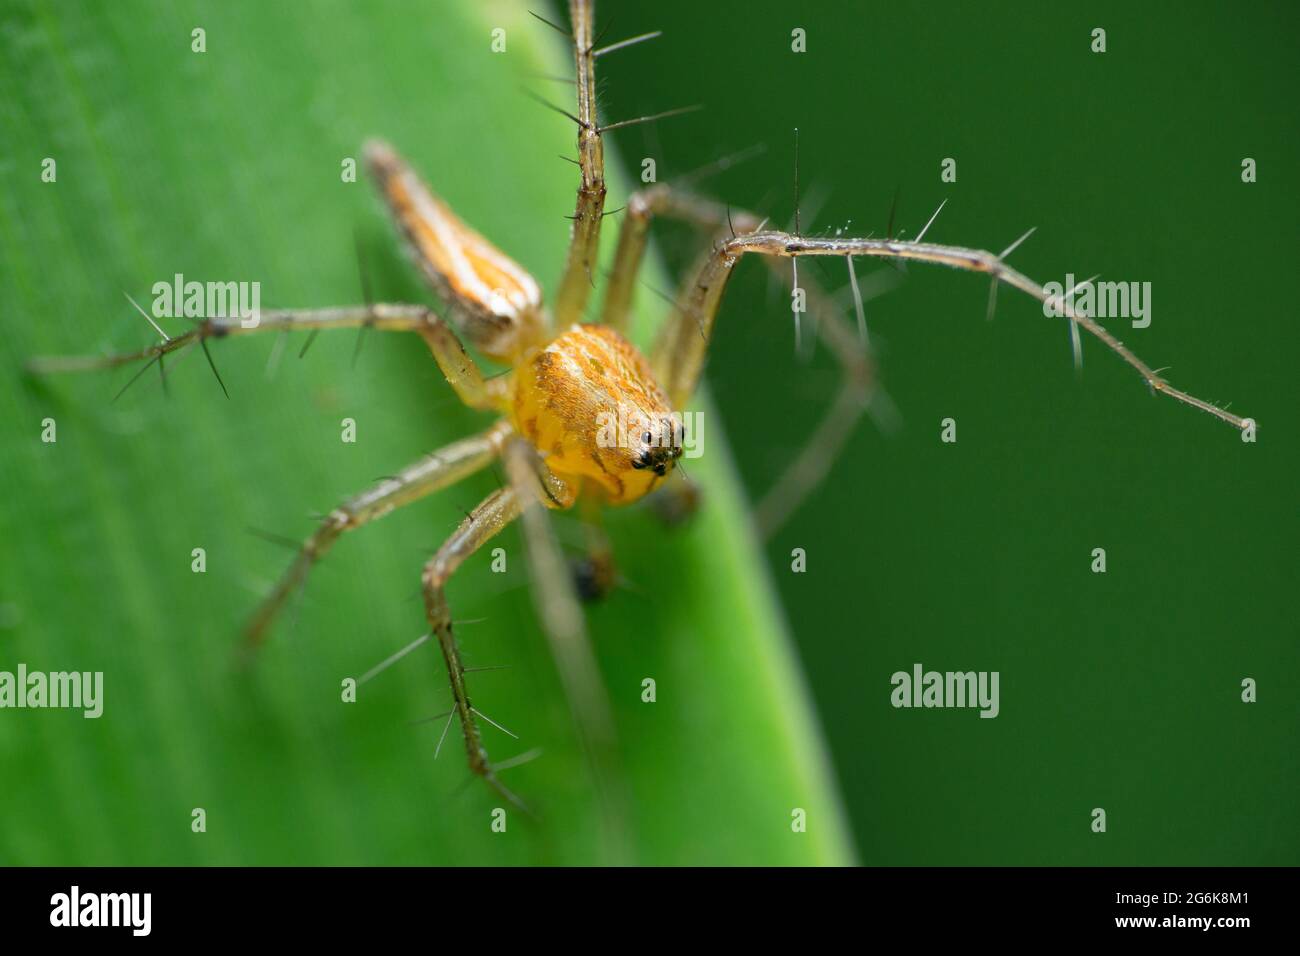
(587, 400)
(589, 404)
(583, 413)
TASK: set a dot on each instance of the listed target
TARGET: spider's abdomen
(590, 405)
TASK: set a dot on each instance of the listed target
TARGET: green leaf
(226, 165)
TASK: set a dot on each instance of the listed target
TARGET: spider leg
(561, 616)
(455, 363)
(667, 202)
(576, 282)
(429, 474)
(397, 318)
(578, 278)
(679, 354)
(494, 513)
(490, 517)
(970, 260)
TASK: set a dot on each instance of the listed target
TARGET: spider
(565, 376)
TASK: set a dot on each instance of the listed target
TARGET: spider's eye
(647, 438)
(641, 461)
(661, 469)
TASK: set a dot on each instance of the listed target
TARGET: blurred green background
(1118, 691)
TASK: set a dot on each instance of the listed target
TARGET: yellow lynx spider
(565, 374)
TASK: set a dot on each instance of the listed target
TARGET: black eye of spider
(661, 469)
(647, 438)
(642, 461)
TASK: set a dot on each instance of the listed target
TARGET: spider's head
(659, 445)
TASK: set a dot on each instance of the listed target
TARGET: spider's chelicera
(566, 375)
